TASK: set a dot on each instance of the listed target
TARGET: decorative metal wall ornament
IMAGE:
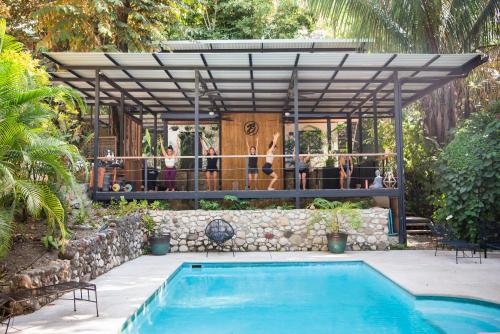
(251, 128)
(389, 180)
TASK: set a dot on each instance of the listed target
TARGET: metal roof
(264, 45)
(328, 82)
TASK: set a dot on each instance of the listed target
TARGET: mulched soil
(27, 250)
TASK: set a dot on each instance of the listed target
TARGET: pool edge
(451, 298)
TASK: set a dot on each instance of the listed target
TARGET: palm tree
(420, 26)
(35, 166)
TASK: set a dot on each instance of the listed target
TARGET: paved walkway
(122, 290)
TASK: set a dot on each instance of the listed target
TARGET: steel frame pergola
(367, 102)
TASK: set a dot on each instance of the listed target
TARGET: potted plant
(330, 213)
(159, 243)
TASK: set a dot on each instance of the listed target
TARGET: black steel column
(296, 137)
(196, 135)
(155, 140)
(375, 124)
(329, 134)
(349, 134)
(398, 120)
(121, 125)
(96, 133)
(144, 161)
(360, 130)
(165, 132)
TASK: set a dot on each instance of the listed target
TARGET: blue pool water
(341, 297)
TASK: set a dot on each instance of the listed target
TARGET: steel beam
(398, 118)
(296, 136)
(443, 68)
(349, 133)
(375, 124)
(154, 140)
(196, 136)
(190, 195)
(97, 86)
(360, 132)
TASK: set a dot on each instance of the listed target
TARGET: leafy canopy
(469, 174)
(242, 19)
(109, 25)
(36, 167)
(415, 26)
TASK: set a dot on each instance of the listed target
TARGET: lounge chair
(446, 237)
(219, 231)
(8, 301)
(488, 236)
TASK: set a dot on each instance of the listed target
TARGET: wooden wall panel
(132, 146)
(233, 142)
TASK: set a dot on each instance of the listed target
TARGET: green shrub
(329, 212)
(234, 203)
(209, 205)
(159, 205)
(469, 174)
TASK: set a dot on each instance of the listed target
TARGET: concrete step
(417, 225)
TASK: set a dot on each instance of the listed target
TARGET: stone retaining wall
(271, 230)
(86, 258)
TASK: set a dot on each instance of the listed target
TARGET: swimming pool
(334, 297)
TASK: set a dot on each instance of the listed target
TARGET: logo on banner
(251, 128)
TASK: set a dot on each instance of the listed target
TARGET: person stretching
(268, 166)
(169, 172)
(253, 171)
(212, 170)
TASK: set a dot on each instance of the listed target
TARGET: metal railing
(132, 173)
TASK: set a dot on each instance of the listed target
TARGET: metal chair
(488, 235)
(446, 237)
(219, 231)
(55, 291)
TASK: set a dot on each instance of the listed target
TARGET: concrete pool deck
(123, 289)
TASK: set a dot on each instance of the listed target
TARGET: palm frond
(363, 20)
(485, 28)
(8, 42)
(6, 219)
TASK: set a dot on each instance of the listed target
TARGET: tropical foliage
(109, 25)
(36, 167)
(330, 213)
(242, 19)
(432, 26)
(469, 174)
(419, 156)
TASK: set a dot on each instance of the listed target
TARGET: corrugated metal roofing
(165, 81)
(263, 45)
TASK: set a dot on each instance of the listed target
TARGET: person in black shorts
(253, 170)
(304, 168)
(268, 166)
(212, 170)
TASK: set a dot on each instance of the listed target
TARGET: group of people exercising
(211, 171)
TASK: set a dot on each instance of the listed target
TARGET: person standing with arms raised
(268, 166)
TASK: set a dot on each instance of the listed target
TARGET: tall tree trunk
(441, 110)
(122, 13)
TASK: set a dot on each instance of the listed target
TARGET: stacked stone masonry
(271, 230)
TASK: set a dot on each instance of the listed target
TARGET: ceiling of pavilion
(239, 81)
